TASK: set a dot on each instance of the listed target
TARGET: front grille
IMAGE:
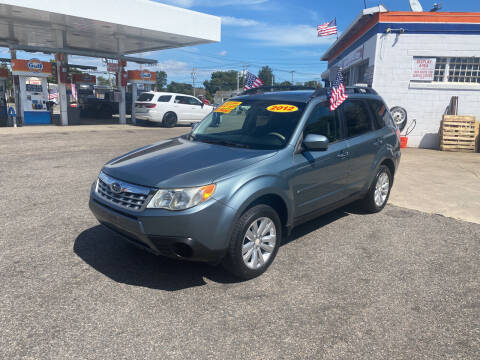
(125, 195)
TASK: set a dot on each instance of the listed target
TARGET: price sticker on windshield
(228, 107)
(282, 108)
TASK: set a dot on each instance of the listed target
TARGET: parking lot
(401, 284)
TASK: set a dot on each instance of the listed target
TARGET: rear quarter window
(381, 115)
(145, 97)
(164, 98)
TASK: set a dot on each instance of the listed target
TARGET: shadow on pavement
(122, 262)
(114, 257)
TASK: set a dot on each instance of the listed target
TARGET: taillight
(150, 106)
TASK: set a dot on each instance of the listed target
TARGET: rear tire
(254, 244)
(379, 192)
(169, 120)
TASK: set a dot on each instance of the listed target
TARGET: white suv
(170, 109)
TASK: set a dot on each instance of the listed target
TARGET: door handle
(378, 141)
(343, 154)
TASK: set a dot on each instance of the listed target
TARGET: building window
(457, 70)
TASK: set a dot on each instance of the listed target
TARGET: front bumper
(199, 234)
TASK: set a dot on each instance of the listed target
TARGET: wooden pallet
(459, 133)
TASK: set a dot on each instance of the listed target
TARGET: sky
(278, 33)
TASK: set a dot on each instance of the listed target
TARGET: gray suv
(260, 164)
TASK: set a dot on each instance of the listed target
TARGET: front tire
(379, 192)
(254, 244)
(169, 120)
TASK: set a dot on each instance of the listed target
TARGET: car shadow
(122, 262)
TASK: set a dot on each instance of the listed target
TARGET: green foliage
(181, 88)
(285, 83)
(266, 74)
(221, 80)
(161, 80)
(313, 83)
(103, 81)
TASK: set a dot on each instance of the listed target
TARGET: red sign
(84, 78)
(33, 66)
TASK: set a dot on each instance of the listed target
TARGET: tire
(169, 120)
(379, 192)
(399, 116)
(253, 265)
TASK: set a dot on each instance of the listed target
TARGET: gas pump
(140, 77)
(32, 75)
(3, 96)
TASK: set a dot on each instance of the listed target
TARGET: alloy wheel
(382, 187)
(259, 242)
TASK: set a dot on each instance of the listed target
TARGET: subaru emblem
(116, 188)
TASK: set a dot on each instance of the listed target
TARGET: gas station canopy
(90, 27)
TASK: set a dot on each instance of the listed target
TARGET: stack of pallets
(459, 133)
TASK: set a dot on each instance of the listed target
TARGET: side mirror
(203, 104)
(314, 142)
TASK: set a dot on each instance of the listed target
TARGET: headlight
(181, 199)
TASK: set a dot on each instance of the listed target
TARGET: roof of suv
(304, 96)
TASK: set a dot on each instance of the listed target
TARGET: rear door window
(356, 118)
(145, 97)
(324, 122)
(164, 98)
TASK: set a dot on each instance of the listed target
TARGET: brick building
(415, 60)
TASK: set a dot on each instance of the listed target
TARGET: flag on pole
(337, 92)
(252, 82)
(328, 28)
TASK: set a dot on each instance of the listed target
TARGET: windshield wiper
(222, 142)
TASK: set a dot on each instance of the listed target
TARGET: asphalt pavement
(401, 284)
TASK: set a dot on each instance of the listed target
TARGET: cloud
(286, 35)
(211, 3)
(230, 20)
(223, 53)
(181, 3)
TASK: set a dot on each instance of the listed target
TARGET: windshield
(145, 97)
(253, 124)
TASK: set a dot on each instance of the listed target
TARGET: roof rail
(348, 90)
(264, 89)
(360, 90)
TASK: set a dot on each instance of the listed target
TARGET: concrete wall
(425, 102)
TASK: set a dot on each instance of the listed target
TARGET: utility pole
(365, 3)
(194, 77)
(292, 72)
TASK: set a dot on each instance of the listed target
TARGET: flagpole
(337, 27)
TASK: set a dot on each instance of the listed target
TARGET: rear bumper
(185, 237)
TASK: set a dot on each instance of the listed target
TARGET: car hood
(181, 163)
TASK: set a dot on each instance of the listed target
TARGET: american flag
(328, 28)
(53, 94)
(252, 82)
(337, 92)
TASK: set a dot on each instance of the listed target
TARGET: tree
(285, 83)
(313, 83)
(221, 80)
(103, 81)
(161, 80)
(181, 88)
(266, 74)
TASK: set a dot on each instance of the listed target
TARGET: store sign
(142, 77)
(31, 67)
(146, 75)
(35, 65)
(423, 69)
(113, 67)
